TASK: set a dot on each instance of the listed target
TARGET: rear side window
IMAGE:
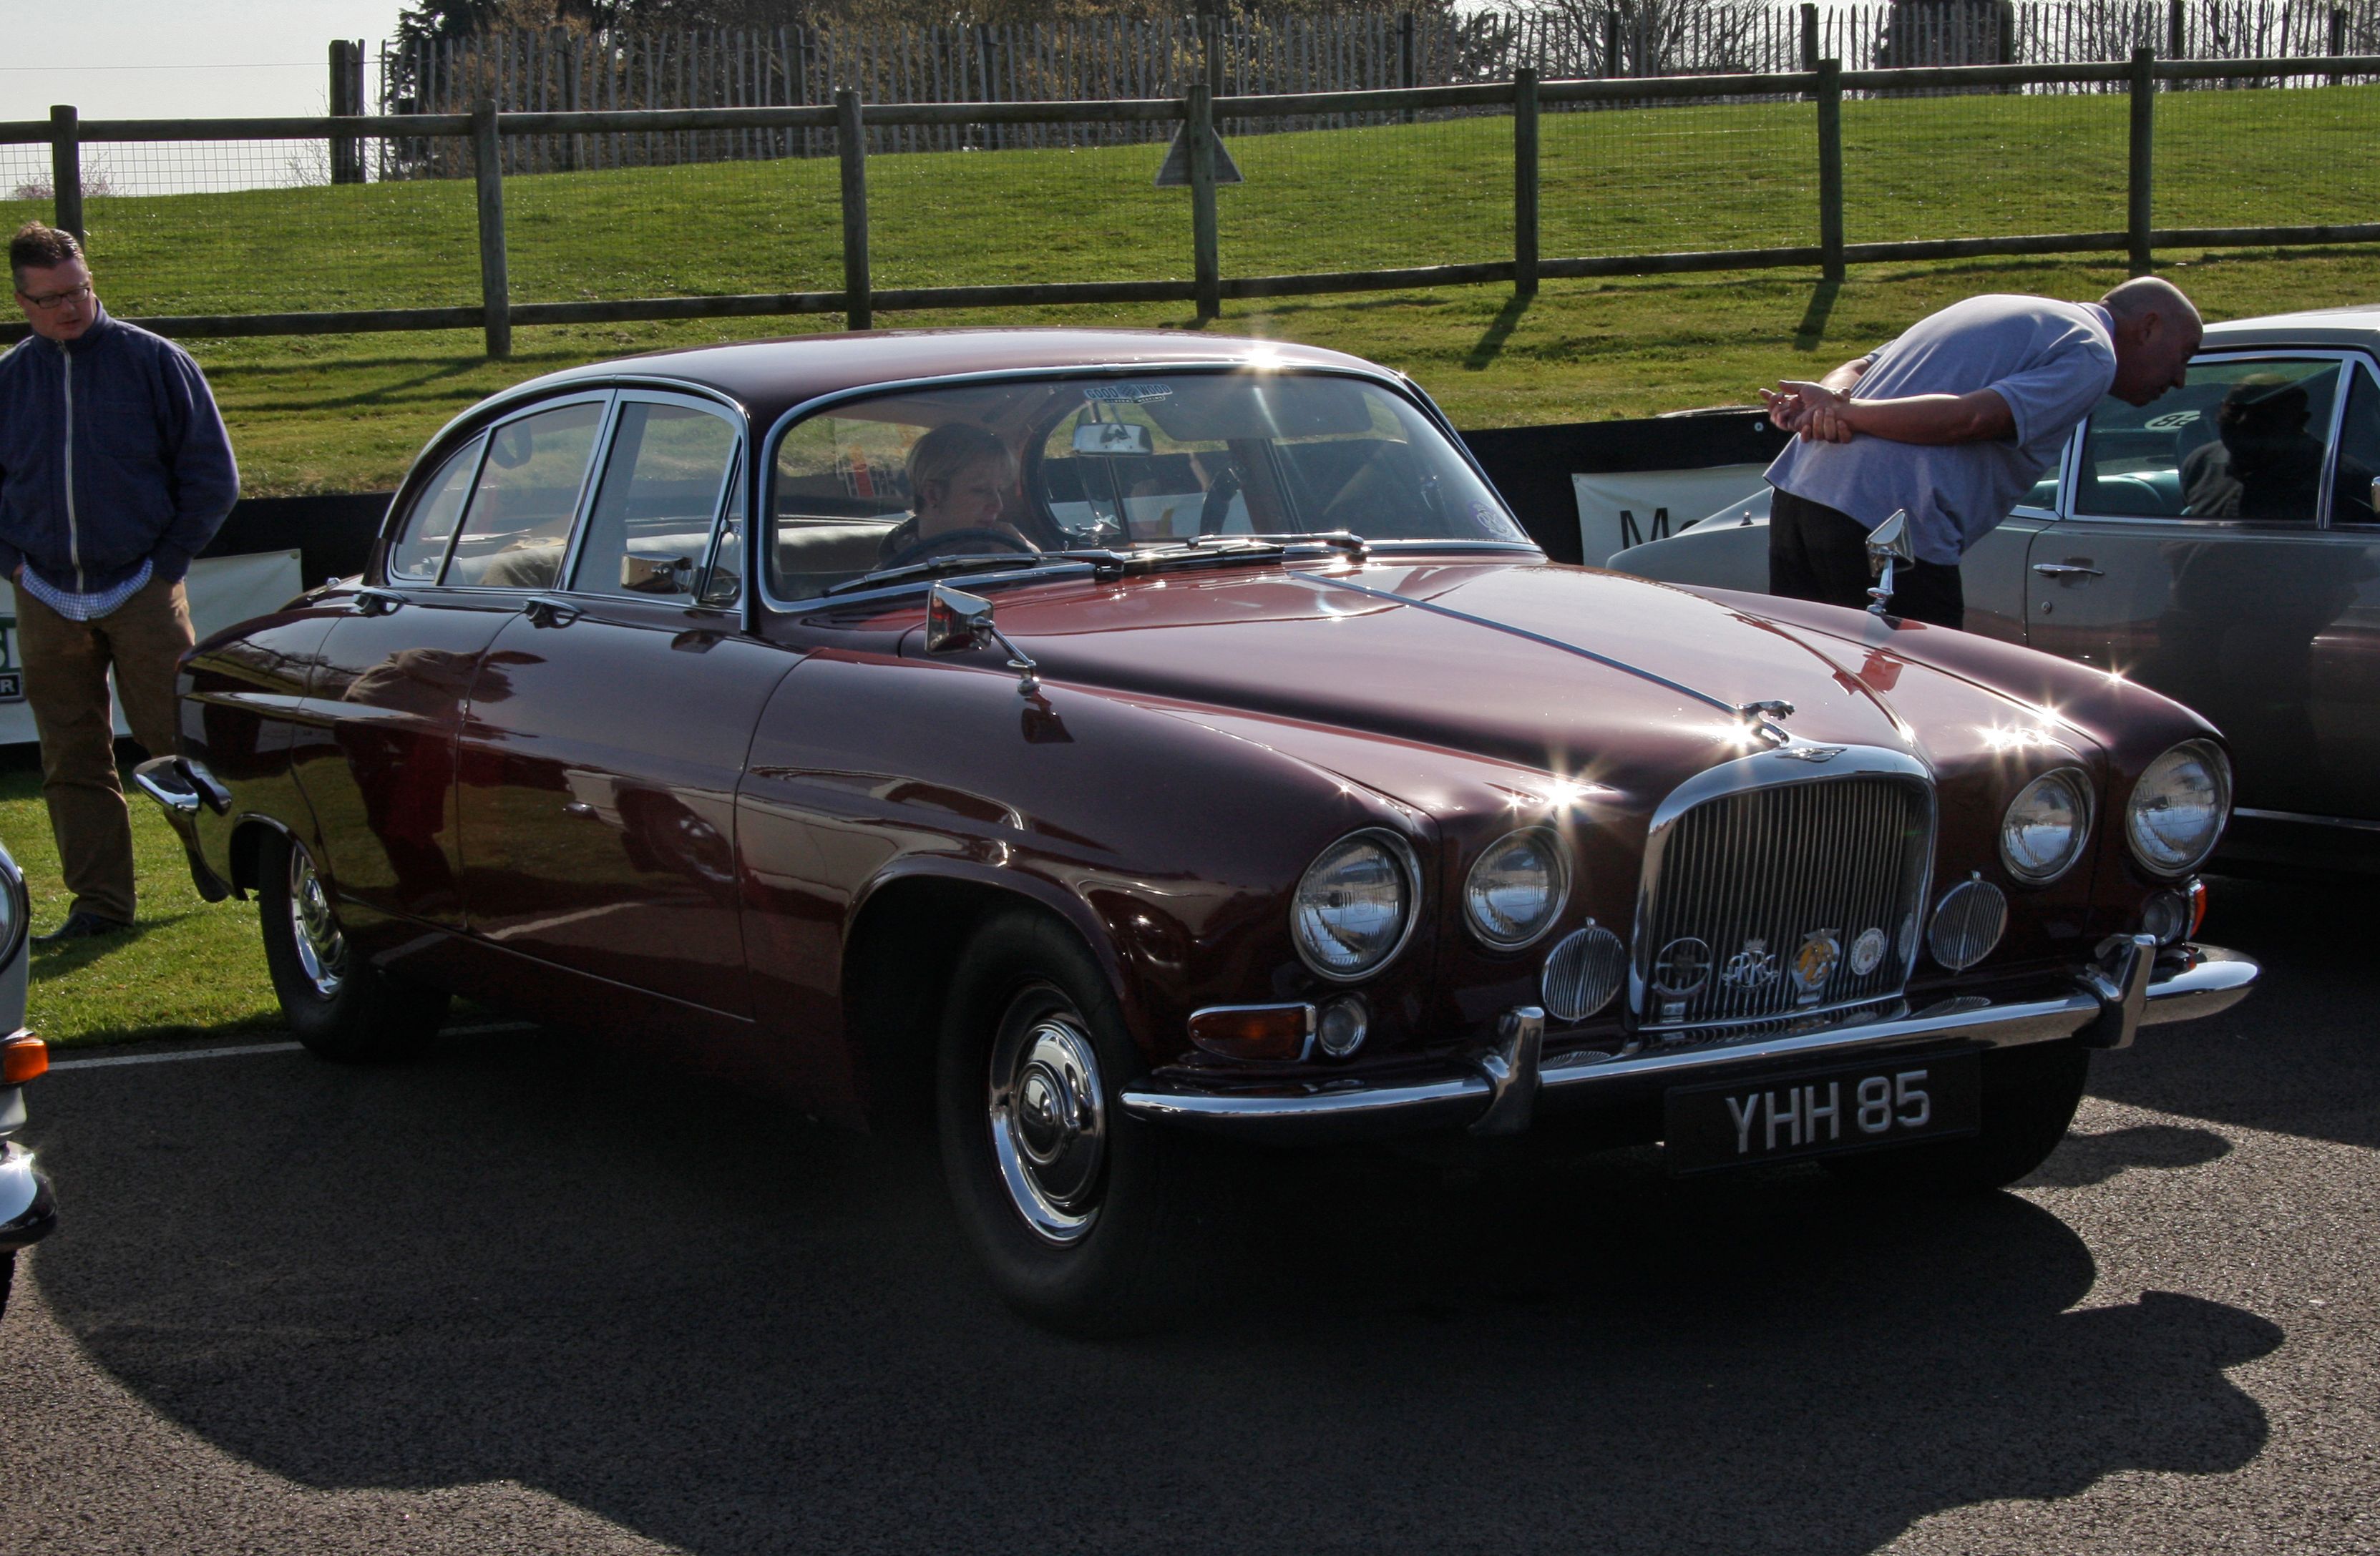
(422, 545)
(519, 518)
(651, 527)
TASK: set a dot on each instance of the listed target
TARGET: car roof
(771, 376)
(2357, 324)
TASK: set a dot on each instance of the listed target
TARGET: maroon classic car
(1097, 738)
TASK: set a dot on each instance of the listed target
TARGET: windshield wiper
(1355, 547)
(970, 562)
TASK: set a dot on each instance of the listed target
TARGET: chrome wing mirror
(956, 620)
(1887, 546)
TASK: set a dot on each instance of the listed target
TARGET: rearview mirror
(1113, 438)
(1887, 546)
(956, 620)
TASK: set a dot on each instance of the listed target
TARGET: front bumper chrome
(28, 1210)
(2129, 986)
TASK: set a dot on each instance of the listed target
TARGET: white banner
(1687, 494)
(222, 590)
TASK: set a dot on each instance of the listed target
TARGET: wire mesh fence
(1673, 179)
(1984, 165)
(1028, 215)
(2227, 159)
(1384, 195)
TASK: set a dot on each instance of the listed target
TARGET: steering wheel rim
(975, 538)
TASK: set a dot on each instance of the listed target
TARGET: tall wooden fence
(849, 126)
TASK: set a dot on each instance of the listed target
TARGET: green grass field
(347, 413)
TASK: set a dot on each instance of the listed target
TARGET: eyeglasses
(56, 299)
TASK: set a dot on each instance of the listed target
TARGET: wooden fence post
(1405, 60)
(65, 169)
(1525, 182)
(1612, 64)
(346, 100)
(2176, 30)
(1830, 170)
(1206, 249)
(2143, 160)
(851, 146)
(2338, 39)
(1809, 34)
(488, 173)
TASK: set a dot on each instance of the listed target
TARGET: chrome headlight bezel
(15, 910)
(2081, 795)
(1549, 843)
(1408, 868)
(2218, 769)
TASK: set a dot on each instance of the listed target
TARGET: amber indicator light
(2196, 892)
(1254, 1032)
(22, 1059)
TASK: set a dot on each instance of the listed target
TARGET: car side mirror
(956, 620)
(655, 575)
(1887, 546)
(1113, 438)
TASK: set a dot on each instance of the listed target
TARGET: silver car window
(2246, 440)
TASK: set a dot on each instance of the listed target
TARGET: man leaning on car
(1954, 421)
(115, 472)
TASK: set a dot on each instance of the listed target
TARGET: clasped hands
(1811, 410)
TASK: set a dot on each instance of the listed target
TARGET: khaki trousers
(66, 665)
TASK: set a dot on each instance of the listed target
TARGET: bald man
(1954, 421)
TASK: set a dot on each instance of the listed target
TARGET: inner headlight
(1353, 907)
(2041, 835)
(1516, 889)
(2179, 808)
(13, 912)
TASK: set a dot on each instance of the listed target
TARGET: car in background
(2220, 545)
(1237, 766)
(28, 1208)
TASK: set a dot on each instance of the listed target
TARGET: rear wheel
(2029, 1097)
(339, 1005)
(1074, 1207)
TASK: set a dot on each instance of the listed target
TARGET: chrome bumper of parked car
(2129, 986)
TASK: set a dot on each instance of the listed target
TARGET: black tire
(1027, 996)
(2029, 1097)
(338, 1005)
(7, 1278)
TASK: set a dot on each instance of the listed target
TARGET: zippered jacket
(112, 452)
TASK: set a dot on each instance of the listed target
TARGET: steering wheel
(1218, 506)
(958, 542)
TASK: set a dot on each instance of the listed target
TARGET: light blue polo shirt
(2051, 361)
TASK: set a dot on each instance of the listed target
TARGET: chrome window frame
(625, 395)
(2360, 528)
(2348, 358)
(478, 442)
(608, 397)
(764, 505)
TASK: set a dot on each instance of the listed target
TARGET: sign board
(1688, 495)
(1175, 174)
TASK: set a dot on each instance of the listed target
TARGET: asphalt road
(529, 1298)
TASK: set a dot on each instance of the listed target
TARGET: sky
(180, 58)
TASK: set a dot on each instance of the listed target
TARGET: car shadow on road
(732, 1332)
(2302, 1054)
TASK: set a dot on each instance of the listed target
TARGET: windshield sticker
(1128, 393)
(2172, 421)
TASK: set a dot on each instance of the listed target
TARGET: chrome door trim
(593, 491)
(2298, 818)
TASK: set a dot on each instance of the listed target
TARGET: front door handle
(370, 601)
(2066, 570)
(546, 611)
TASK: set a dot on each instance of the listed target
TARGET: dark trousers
(1817, 552)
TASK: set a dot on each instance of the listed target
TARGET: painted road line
(233, 1051)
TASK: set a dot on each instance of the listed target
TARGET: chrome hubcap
(1048, 1129)
(321, 949)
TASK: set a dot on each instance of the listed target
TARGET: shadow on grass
(59, 962)
(1499, 330)
(1812, 330)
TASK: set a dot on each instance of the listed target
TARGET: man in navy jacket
(115, 472)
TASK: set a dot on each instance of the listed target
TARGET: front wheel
(1073, 1206)
(2030, 1095)
(338, 1005)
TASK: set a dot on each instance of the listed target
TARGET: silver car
(28, 1212)
(2222, 545)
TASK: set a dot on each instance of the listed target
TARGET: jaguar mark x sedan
(2221, 545)
(1097, 740)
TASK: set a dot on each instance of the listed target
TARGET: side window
(520, 512)
(2244, 439)
(422, 545)
(2359, 454)
(651, 525)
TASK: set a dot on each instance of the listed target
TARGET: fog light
(1254, 1032)
(2166, 915)
(1343, 1026)
(21, 1059)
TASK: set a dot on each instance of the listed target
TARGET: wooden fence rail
(849, 125)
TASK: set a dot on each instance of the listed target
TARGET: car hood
(1585, 675)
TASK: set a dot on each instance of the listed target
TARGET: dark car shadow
(2300, 1055)
(2085, 1159)
(730, 1332)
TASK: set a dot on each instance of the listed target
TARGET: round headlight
(2179, 808)
(14, 911)
(1354, 906)
(1516, 890)
(2041, 835)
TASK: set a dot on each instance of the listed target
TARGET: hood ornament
(1766, 718)
(1888, 545)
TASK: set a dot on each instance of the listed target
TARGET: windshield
(1017, 468)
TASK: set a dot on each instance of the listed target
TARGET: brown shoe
(81, 926)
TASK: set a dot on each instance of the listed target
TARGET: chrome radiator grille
(1772, 903)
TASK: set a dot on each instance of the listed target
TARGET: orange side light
(2197, 892)
(21, 1059)
(1254, 1032)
